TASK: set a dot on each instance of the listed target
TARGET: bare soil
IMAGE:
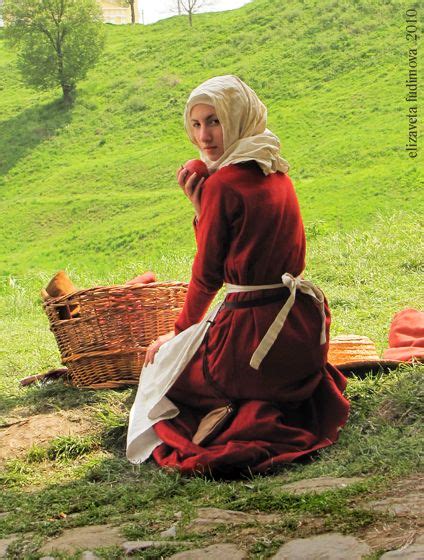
(19, 435)
(403, 525)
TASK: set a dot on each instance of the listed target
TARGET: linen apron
(151, 404)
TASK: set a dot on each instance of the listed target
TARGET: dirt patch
(391, 536)
(21, 435)
(402, 526)
(4, 543)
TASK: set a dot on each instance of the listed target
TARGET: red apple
(196, 166)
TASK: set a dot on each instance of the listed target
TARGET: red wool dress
(250, 232)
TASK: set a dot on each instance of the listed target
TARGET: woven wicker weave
(104, 346)
(351, 348)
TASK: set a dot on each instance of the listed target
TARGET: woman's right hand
(191, 186)
(155, 345)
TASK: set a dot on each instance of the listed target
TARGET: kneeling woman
(246, 386)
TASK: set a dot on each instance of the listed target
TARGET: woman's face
(207, 131)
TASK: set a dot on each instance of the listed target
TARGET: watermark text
(411, 83)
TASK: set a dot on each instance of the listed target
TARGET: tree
(57, 40)
(189, 7)
(131, 4)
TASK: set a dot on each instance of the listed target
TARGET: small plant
(114, 419)
(36, 454)
(70, 447)
(23, 548)
(135, 104)
(15, 473)
(171, 80)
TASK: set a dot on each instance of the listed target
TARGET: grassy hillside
(93, 187)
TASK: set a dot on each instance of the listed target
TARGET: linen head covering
(243, 119)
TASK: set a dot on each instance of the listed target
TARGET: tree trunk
(66, 88)
(132, 11)
(190, 20)
(67, 93)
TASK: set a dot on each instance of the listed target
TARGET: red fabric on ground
(250, 232)
(406, 336)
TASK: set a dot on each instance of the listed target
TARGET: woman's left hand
(155, 345)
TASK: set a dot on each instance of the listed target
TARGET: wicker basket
(105, 344)
(350, 348)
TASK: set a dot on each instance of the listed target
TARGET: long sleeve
(213, 232)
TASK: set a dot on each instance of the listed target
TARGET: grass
(382, 441)
(90, 481)
(93, 186)
(91, 189)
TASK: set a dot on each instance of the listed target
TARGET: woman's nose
(204, 134)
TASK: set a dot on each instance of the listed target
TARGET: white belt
(292, 284)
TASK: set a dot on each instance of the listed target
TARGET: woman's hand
(155, 345)
(191, 187)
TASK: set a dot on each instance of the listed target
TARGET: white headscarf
(243, 119)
